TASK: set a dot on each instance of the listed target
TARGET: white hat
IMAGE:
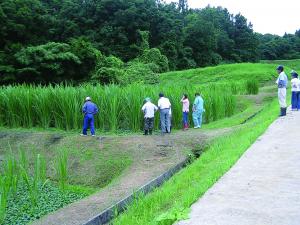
(88, 99)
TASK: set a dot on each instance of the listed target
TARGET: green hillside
(231, 72)
(292, 64)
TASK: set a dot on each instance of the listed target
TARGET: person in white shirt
(164, 106)
(148, 109)
(282, 82)
(295, 83)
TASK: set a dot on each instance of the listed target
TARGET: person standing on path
(198, 110)
(295, 83)
(282, 82)
(148, 109)
(164, 106)
(185, 111)
(89, 109)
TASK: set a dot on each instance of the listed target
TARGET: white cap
(88, 99)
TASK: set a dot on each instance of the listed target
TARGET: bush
(109, 70)
(140, 73)
(154, 56)
(51, 62)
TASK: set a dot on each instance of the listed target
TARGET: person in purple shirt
(89, 109)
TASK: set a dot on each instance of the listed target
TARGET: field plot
(45, 124)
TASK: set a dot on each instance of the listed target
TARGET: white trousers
(282, 97)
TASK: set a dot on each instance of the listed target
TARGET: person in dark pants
(295, 83)
(89, 109)
(148, 109)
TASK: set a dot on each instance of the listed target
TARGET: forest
(124, 41)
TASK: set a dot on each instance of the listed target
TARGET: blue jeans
(197, 118)
(165, 120)
(185, 118)
(88, 121)
(295, 100)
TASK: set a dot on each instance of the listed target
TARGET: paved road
(263, 188)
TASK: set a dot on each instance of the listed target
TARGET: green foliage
(141, 73)
(273, 47)
(25, 195)
(88, 56)
(109, 70)
(78, 30)
(21, 211)
(154, 56)
(46, 63)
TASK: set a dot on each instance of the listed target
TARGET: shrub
(154, 55)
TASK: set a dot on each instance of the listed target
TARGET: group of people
(90, 109)
(165, 109)
(282, 83)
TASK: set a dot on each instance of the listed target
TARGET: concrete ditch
(108, 214)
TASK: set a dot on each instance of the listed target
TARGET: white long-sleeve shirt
(149, 109)
(164, 103)
(295, 83)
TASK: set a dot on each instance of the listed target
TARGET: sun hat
(294, 73)
(280, 68)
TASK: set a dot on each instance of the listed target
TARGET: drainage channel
(108, 214)
(251, 117)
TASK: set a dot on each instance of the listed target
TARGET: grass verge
(168, 204)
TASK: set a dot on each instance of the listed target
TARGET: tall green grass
(252, 87)
(119, 107)
(62, 168)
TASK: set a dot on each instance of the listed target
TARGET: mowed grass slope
(223, 73)
(291, 64)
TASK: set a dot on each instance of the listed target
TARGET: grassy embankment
(291, 64)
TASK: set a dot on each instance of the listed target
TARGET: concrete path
(263, 188)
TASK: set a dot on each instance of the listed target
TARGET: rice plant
(4, 191)
(62, 168)
(252, 87)
(119, 107)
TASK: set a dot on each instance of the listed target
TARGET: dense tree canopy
(49, 41)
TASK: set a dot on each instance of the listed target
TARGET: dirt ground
(153, 155)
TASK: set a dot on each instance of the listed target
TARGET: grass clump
(62, 168)
(252, 87)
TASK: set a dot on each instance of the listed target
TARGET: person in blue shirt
(89, 109)
(198, 109)
(282, 82)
